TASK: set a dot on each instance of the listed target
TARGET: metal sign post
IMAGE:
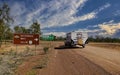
(35, 50)
(26, 39)
(16, 47)
(36, 39)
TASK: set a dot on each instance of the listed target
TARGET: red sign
(26, 39)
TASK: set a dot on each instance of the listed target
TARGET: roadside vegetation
(104, 39)
(6, 33)
(10, 60)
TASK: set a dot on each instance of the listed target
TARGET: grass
(42, 63)
(45, 49)
(27, 48)
(107, 45)
(15, 58)
(10, 60)
(31, 72)
(1, 60)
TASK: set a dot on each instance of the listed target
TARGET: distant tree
(6, 31)
(28, 31)
(35, 28)
(5, 19)
(8, 34)
(17, 29)
(20, 29)
(23, 29)
(104, 39)
(60, 39)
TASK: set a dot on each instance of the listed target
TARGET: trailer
(76, 38)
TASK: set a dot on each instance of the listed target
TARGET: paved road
(87, 61)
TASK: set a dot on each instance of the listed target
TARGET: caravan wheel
(83, 45)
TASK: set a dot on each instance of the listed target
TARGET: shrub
(46, 49)
(27, 48)
(32, 72)
(1, 60)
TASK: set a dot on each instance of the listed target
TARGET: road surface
(87, 61)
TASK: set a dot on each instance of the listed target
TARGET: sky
(58, 17)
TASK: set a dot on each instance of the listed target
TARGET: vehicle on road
(76, 38)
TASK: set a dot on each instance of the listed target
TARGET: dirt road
(108, 59)
(87, 61)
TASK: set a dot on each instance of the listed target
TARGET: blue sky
(97, 17)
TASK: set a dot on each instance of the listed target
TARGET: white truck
(76, 38)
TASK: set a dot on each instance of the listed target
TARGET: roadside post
(36, 39)
(16, 48)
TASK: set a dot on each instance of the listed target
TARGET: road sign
(26, 39)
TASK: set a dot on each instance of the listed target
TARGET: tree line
(104, 39)
(33, 29)
(6, 33)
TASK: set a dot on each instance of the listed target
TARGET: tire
(67, 44)
(83, 45)
(72, 43)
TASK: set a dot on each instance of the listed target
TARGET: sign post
(26, 39)
(16, 49)
(36, 39)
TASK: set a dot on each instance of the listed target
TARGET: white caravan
(76, 38)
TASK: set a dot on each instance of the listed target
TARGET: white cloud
(104, 7)
(117, 13)
(34, 14)
(58, 34)
(64, 12)
(67, 16)
(95, 32)
(88, 30)
(110, 27)
(86, 16)
(92, 26)
(54, 13)
(17, 9)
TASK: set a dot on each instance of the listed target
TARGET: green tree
(23, 29)
(8, 34)
(16, 29)
(35, 28)
(28, 31)
(5, 19)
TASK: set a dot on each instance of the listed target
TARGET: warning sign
(26, 39)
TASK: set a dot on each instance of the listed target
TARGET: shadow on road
(65, 47)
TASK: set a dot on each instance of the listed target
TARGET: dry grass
(11, 57)
(114, 46)
(38, 61)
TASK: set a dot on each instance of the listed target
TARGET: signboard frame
(26, 39)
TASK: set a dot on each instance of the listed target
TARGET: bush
(46, 49)
(1, 60)
(32, 72)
